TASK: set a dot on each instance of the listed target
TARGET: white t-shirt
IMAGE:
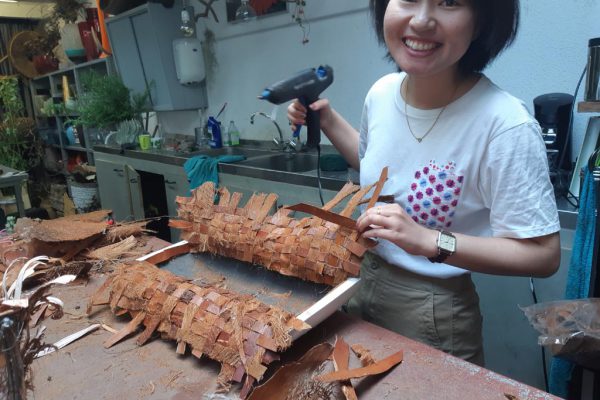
(481, 171)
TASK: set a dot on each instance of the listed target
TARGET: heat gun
(306, 86)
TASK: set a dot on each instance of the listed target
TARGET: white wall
(548, 56)
(255, 54)
(23, 9)
(32, 9)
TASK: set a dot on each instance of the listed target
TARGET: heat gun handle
(313, 128)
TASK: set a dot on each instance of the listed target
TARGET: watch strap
(440, 257)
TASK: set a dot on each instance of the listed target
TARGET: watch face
(447, 242)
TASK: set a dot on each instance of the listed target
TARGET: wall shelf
(588, 107)
(49, 86)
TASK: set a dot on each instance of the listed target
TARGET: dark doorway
(155, 204)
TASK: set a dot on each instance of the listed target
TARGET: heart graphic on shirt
(434, 195)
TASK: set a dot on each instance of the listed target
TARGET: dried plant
(64, 12)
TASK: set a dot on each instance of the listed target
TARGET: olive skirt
(441, 312)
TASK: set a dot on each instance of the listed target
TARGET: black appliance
(553, 112)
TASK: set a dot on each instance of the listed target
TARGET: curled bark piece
(378, 368)
(341, 359)
(236, 330)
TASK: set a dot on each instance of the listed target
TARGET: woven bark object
(237, 330)
(309, 248)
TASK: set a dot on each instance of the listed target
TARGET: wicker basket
(84, 195)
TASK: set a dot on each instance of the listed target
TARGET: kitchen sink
(292, 162)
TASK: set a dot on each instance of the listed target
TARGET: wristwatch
(446, 244)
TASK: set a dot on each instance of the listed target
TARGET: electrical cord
(319, 174)
(574, 202)
(535, 301)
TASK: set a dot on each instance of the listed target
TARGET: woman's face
(428, 37)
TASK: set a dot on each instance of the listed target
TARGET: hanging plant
(300, 18)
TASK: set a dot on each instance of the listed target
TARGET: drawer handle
(168, 182)
(118, 170)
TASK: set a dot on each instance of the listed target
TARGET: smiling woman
(454, 143)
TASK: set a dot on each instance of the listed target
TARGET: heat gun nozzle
(265, 95)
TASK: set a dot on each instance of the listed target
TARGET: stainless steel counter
(329, 180)
(254, 149)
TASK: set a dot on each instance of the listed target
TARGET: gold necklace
(420, 139)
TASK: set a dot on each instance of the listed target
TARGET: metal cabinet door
(126, 55)
(142, 43)
(176, 184)
(155, 60)
(136, 200)
(113, 184)
(120, 190)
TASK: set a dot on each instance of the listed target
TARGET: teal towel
(579, 275)
(200, 169)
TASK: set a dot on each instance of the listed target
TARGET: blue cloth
(200, 169)
(579, 275)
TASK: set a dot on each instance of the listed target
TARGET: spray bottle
(214, 129)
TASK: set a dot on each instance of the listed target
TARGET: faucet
(279, 142)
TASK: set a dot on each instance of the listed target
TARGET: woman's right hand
(341, 134)
(297, 113)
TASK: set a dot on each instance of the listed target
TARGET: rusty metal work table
(86, 370)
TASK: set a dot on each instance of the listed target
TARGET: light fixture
(8, 1)
(245, 12)
(187, 26)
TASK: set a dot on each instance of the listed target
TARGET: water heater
(189, 60)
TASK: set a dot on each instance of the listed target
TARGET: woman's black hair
(497, 22)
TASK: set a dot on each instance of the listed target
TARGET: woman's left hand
(392, 223)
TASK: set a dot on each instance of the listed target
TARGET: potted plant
(20, 149)
(105, 103)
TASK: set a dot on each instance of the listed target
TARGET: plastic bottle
(234, 134)
(214, 128)
(201, 136)
(227, 138)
